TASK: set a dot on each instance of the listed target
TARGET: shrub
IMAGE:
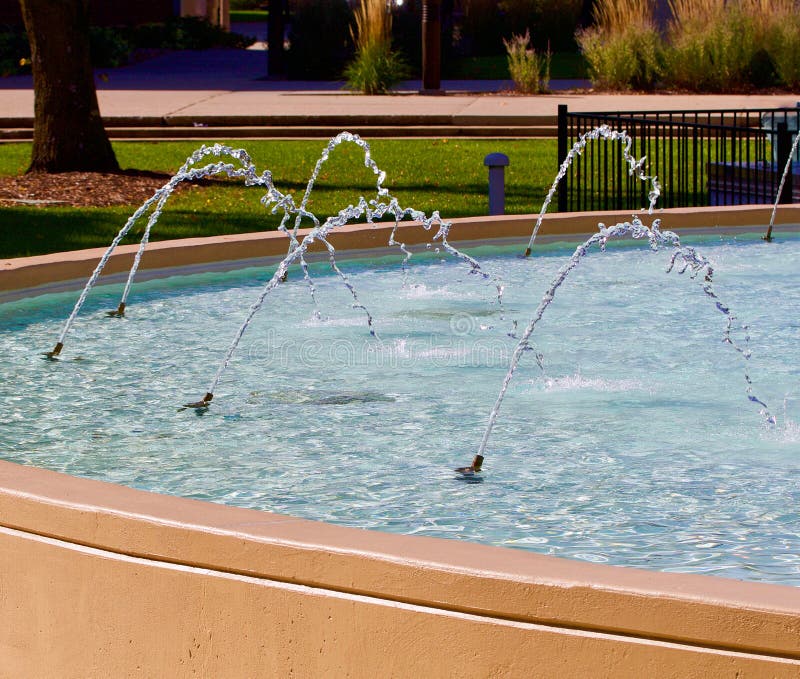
(376, 67)
(108, 47)
(15, 53)
(623, 49)
(185, 33)
(711, 45)
(718, 46)
(529, 70)
(783, 42)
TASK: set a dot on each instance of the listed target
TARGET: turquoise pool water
(636, 445)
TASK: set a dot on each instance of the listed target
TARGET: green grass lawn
(444, 174)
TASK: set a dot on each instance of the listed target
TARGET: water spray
(768, 236)
(634, 168)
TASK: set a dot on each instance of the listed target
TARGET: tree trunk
(68, 133)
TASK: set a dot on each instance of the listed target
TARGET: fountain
(635, 466)
(383, 204)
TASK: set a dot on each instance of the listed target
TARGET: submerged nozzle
(474, 468)
(56, 350)
(119, 313)
(527, 252)
(202, 403)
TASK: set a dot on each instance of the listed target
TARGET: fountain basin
(279, 593)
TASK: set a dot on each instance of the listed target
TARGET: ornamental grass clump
(623, 48)
(719, 46)
(529, 70)
(376, 68)
(783, 41)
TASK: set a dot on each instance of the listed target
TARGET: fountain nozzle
(119, 313)
(56, 350)
(202, 403)
(527, 252)
(474, 468)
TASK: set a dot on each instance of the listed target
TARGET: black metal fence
(715, 157)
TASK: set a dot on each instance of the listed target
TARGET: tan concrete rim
(42, 274)
(490, 582)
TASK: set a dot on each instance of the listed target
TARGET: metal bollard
(497, 162)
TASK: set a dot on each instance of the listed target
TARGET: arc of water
(768, 235)
(636, 229)
(635, 167)
(375, 209)
(383, 204)
(320, 233)
(302, 211)
(186, 172)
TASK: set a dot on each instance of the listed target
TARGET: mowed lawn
(447, 175)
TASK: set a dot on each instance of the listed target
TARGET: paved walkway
(229, 87)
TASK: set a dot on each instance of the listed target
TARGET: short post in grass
(497, 163)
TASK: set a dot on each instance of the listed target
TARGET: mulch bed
(81, 189)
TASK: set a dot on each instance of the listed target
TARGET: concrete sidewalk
(225, 93)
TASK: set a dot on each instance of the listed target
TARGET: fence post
(784, 142)
(563, 140)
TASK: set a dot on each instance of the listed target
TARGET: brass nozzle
(199, 405)
(527, 252)
(119, 313)
(56, 350)
(474, 468)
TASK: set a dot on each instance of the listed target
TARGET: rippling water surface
(636, 445)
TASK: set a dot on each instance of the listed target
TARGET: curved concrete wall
(98, 580)
(69, 270)
(101, 580)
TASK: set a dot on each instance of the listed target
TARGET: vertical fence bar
(563, 133)
(784, 153)
(618, 167)
(605, 187)
(669, 167)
